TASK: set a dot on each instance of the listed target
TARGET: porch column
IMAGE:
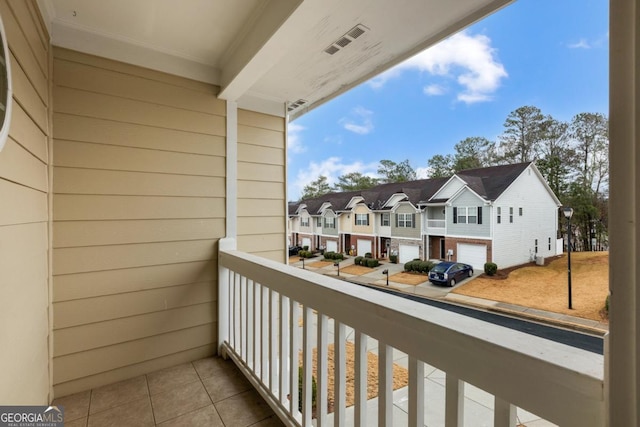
(231, 220)
(623, 380)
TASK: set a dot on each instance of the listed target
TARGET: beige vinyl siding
(139, 204)
(261, 185)
(24, 241)
(408, 232)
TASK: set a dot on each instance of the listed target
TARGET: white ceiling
(262, 53)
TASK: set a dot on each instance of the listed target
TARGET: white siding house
(503, 214)
(529, 221)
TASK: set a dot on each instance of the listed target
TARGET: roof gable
(448, 189)
(491, 182)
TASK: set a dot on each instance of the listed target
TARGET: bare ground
(356, 270)
(546, 287)
(409, 278)
(400, 375)
(320, 264)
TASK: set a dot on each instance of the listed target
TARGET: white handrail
(436, 223)
(559, 383)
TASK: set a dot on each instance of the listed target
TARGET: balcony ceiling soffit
(261, 52)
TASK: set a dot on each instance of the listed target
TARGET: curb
(499, 310)
(512, 313)
(540, 319)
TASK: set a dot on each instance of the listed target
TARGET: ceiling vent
(346, 39)
(297, 104)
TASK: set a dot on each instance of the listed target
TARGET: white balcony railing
(436, 223)
(260, 304)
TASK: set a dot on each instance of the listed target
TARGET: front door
(441, 248)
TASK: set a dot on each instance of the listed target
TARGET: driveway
(377, 278)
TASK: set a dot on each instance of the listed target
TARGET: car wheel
(452, 283)
(470, 273)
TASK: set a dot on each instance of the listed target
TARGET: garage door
(332, 246)
(476, 255)
(408, 252)
(363, 247)
(306, 242)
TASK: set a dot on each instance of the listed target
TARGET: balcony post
(223, 296)
(623, 379)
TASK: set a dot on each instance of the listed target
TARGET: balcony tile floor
(208, 392)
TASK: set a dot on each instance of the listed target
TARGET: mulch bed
(503, 273)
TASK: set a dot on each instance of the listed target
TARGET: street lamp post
(568, 212)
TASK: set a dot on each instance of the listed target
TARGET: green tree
(354, 181)
(556, 157)
(523, 130)
(316, 188)
(440, 166)
(590, 132)
(471, 153)
(396, 172)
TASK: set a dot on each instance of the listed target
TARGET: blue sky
(552, 54)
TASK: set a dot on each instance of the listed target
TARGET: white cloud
(294, 139)
(333, 139)
(434, 90)
(380, 80)
(360, 121)
(423, 173)
(470, 60)
(581, 44)
(332, 168)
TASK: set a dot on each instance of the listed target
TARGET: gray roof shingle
(488, 182)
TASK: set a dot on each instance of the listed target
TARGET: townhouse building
(504, 214)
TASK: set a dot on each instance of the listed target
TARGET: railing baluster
(273, 341)
(224, 309)
(360, 377)
(504, 414)
(242, 313)
(385, 384)
(340, 369)
(284, 348)
(306, 366)
(236, 312)
(250, 326)
(264, 332)
(322, 369)
(454, 402)
(294, 338)
(416, 392)
(257, 328)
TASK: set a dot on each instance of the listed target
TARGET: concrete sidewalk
(429, 290)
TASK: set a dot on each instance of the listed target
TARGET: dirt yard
(545, 288)
(409, 278)
(320, 264)
(356, 270)
(400, 375)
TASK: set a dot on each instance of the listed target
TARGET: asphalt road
(575, 339)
